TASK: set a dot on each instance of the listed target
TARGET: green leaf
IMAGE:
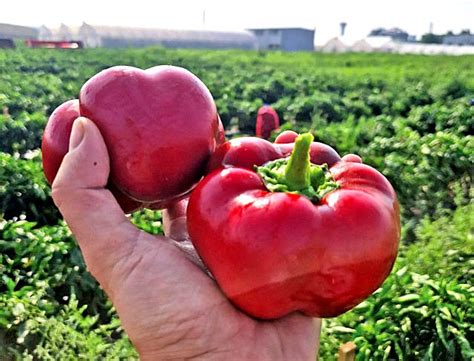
(442, 337)
(408, 298)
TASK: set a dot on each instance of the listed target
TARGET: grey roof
(287, 28)
(17, 31)
(171, 34)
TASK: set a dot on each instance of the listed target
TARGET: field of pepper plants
(411, 117)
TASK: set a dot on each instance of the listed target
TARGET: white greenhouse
(388, 45)
(123, 37)
(335, 45)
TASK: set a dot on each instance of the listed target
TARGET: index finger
(174, 221)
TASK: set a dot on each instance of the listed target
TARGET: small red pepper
(267, 121)
(294, 234)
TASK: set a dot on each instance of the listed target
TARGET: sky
(361, 16)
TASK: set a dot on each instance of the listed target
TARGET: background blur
(362, 16)
(405, 21)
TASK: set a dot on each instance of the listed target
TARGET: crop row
(409, 116)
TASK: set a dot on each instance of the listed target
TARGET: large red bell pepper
(55, 145)
(294, 235)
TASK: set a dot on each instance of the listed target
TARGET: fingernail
(77, 133)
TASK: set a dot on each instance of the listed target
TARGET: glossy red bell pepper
(55, 144)
(293, 234)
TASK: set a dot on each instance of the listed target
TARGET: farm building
(17, 32)
(461, 39)
(123, 37)
(286, 39)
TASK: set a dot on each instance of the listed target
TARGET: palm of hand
(168, 305)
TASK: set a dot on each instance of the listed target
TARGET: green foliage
(148, 221)
(445, 246)
(67, 334)
(24, 190)
(21, 134)
(458, 118)
(424, 170)
(45, 258)
(410, 317)
(44, 290)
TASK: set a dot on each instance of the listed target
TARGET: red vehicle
(49, 44)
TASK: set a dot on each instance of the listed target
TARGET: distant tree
(432, 39)
(394, 33)
(377, 32)
(465, 32)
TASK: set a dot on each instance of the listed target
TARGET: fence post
(347, 352)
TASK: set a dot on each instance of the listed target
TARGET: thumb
(101, 228)
(87, 162)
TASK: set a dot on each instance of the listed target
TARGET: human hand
(169, 306)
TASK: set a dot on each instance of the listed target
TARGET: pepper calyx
(296, 174)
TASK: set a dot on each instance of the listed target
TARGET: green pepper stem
(297, 172)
